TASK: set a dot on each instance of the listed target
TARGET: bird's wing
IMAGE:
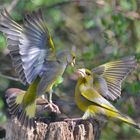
(111, 75)
(100, 85)
(29, 44)
(93, 96)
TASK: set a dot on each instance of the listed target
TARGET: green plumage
(35, 61)
(104, 82)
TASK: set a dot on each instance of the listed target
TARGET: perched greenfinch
(35, 61)
(103, 81)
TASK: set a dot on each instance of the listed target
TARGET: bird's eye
(87, 73)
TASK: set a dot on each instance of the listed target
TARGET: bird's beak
(72, 63)
(81, 72)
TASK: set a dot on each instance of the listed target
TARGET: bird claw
(73, 122)
(73, 119)
(52, 107)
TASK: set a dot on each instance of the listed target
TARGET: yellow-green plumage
(108, 77)
(90, 101)
(35, 61)
(30, 95)
(24, 102)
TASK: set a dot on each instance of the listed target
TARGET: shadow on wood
(2, 132)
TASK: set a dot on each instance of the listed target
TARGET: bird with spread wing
(104, 82)
(35, 61)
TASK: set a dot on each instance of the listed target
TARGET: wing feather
(28, 44)
(113, 73)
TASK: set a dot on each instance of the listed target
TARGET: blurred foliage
(101, 31)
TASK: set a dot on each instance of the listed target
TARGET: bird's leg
(53, 107)
(73, 119)
(44, 96)
(73, 122)
(50, 96)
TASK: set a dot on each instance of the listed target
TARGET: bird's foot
(52, 107)
(73, 120)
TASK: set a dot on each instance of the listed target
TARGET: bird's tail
(24, 113)
(110, 113)
(128, 120)
(124, 118)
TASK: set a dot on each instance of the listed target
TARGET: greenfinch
(35, 61)
(96, 85)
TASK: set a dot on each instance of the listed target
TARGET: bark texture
(61, 130)
(52, 126)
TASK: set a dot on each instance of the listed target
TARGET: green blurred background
(101, 31)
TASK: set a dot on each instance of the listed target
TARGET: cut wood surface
(61, 130)
(52, 126)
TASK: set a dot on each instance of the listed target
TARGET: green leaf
(2, 42)
(125, 4)
(1, 103)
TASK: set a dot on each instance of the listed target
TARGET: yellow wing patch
(52, 44)
(30, 110)
(20, 97)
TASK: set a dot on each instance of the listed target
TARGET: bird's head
(71, 58)
(85, 74)
(67, 57)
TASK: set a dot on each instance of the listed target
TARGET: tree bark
(61, 130)
(52, 126)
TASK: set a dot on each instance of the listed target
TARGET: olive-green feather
(109, 77)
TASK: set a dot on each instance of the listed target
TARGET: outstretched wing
(29, 44)
(108, 77)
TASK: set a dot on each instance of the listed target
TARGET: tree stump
(60, 130)
(51, 127)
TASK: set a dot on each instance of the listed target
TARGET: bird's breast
(81, 102)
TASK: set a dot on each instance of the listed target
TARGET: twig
(9, 77)
(63, 3)
(12, 5)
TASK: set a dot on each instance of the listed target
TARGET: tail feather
(28, 122)
(13, 105)
(103, 113)
(25, 114)
(21, 117)
(14, 109)
(31, 123)
(128, 120)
